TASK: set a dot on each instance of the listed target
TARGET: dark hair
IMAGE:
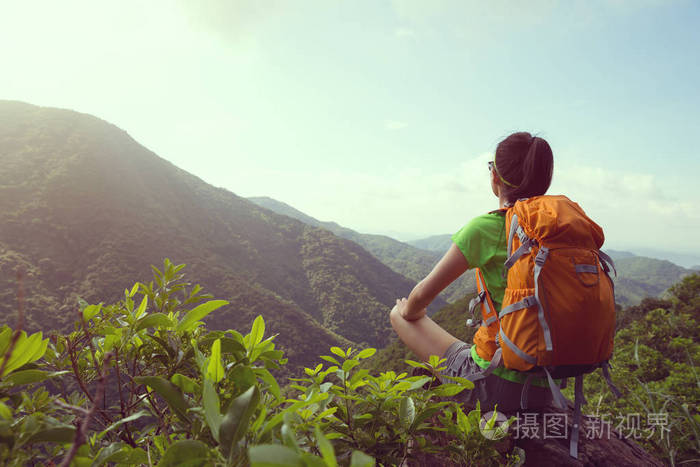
(525, 162)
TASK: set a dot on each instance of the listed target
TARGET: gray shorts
(491, 390)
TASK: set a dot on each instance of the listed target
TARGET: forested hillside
(639, 277)
(412, 262)
(433, 243)
(85, 209)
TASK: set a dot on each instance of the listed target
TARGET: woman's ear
(495, 184)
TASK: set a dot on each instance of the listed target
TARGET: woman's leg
(423, 336)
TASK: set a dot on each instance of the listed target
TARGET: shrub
(143, 382)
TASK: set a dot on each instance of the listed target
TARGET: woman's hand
(403, 309)
(449, 268)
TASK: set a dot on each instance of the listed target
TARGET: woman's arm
(449, 268)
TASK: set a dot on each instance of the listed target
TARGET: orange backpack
(558, 313)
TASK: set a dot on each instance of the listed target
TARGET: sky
(382, 115)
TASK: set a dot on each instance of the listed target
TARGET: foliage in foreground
(143, 382)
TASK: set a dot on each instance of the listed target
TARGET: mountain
(616, 254)
(639, 277)
(438, 243)
(86, 210)
(414, 263)
(687, 260)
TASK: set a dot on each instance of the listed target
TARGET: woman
(522, 168)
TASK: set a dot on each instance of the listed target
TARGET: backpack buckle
(473, 305)
(541, 256)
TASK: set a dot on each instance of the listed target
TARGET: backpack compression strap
(488, 314)
(526, 245)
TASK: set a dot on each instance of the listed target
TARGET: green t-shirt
(483, 244)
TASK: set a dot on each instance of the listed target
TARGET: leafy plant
(143, 382)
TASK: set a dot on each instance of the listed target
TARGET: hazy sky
(381, 116)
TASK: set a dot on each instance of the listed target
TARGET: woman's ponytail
(525, 164)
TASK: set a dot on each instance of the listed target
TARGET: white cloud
(635, 209)
(404, 32)
(394, 124)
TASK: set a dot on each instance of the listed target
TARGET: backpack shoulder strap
(607, 262)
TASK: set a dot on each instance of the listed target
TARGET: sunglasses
(493, 168)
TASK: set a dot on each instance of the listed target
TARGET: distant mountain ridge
(410, 261)
(638, 277)
(85, 210)
(433, 243)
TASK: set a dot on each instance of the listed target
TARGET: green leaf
(134, 289)
(366, 354)
(26, 350)
(164, 345)
(407, 411)
(5, 411)
(186, 452)
(330, 359)
(338, 351)
(154, 320)
(273, 455)
(289, 437)
(349, 365)
(419, 383)
(257, 331)
(360, 459)
(461, 381)
(81, 461)
(39, 350)
(212, 408)
(190, 320)
(142, 306)
(310, 460)
(242, 376)
(168, 391)
(90, 311)
(326, 448)
(424, 415)
(31, 376)
(235, 423)
(5, 335)
(415, 364)
(215, 369)
(109, 453)
(187, 384)
(130, 418)
(59, 434)
(435, 360)
(448, 390)
(272, 384)
(231, 346)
